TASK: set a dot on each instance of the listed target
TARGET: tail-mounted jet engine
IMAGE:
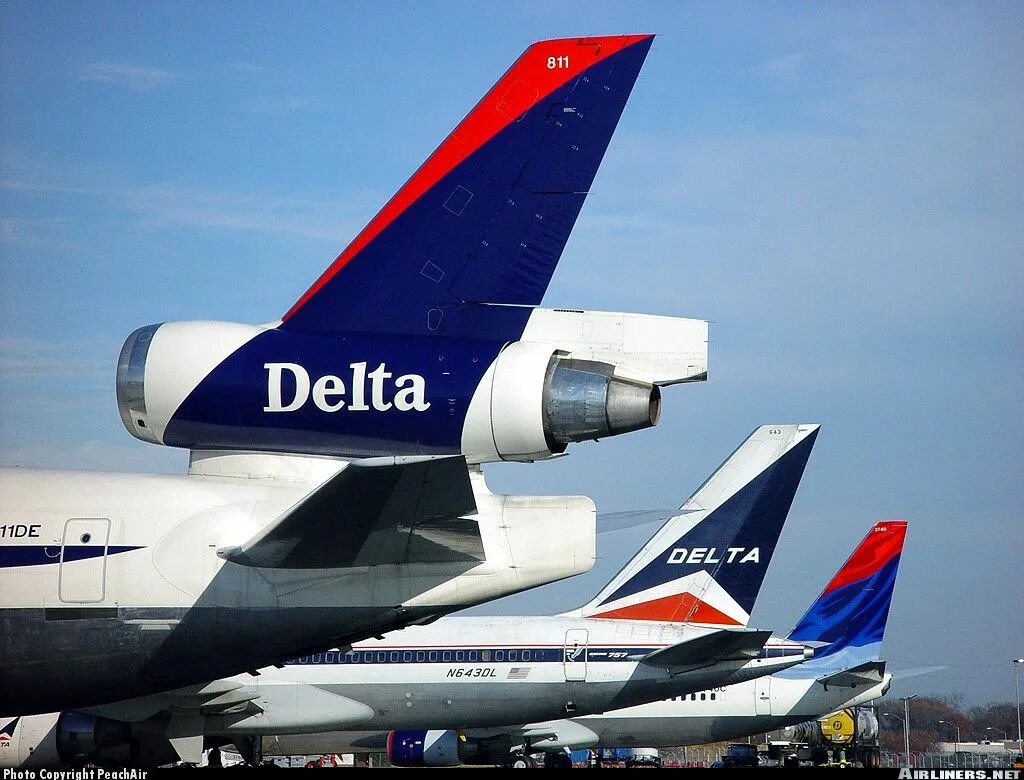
(574, 376)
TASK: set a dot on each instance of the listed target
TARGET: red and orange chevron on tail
(681, 608)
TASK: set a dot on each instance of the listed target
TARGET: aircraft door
(83, 560)
(763, 695)
(574, 655)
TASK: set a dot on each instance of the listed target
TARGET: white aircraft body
(671, 622)
(846, 624)
(119, 585)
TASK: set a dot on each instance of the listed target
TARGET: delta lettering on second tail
(682, 627)
(426, 336)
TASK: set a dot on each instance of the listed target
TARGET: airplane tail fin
(848, 618)
(485, 219)
(707, 562)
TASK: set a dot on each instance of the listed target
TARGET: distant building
(983, 748)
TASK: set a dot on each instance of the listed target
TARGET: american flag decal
(518, 673)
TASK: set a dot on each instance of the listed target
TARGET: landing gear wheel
(557, 761)
(522, 761)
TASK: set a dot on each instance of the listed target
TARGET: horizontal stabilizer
(869, 673)
(721, 645)
(375, 511)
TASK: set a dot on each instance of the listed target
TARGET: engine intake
(423, 748)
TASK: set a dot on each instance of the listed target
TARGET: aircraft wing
(721, 645)
(869, 673)
(240, 705)
(375, 511)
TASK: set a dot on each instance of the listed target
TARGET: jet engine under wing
(868, 673)
(375, 511)
(721, 645)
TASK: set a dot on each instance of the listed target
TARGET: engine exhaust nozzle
(583, 400)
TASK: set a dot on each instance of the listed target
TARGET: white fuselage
(716, 713)
(113, 586)
(739, 710)
(462, 672)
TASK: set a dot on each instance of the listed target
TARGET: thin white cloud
(784, 67)
(32, 359)
(166, 205)
(95, 455)
(133, 77)
(242, 66)
(280, 104)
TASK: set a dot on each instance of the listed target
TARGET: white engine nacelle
(534, 400)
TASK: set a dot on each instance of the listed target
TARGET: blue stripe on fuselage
(490, 654)
(41, 554)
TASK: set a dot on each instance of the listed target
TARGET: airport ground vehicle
(849, 735)
(740, 755)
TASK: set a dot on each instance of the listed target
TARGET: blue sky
(837, 187)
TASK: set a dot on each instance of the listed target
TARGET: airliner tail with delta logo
(708, 561)
(426, 336)
(847, 621)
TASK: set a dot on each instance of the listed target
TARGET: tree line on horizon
(977, 724)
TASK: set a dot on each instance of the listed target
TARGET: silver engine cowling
(536, 400)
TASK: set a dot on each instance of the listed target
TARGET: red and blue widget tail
(850, 614)
(485, 219)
